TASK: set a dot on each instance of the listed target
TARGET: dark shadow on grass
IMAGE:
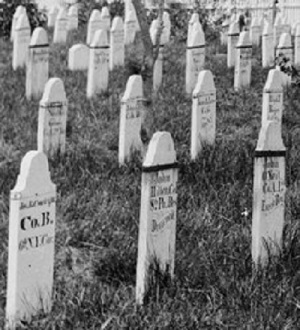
(116, 267)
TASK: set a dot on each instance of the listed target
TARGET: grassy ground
(98, 205)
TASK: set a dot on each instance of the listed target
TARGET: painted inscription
(268, 42)
(198, 56)
(93, 27)
(134, 108)
(234, 40)
(37, 223)
(62, 25)
(163, 199)
(273, 186)
(255, 30)
(24, 36)
(101, 57)
(245, 59)
(118, 41)
(206, 118)
(275, 106)
(40, 55)
(55, 129)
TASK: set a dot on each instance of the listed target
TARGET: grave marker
(166, 32)
(94, 24)
(232, 38)
(127, 5)
(131, 10)
(224, 33)
(277, 30)
(53, 12)
(21, 42)
(72, 18)
(60, 30)
(286, 28)
(31, 241)
(131, 118)
(297, 46)
(195, 26)
(294, 28)
(268, 193)
(130, 28)
(204, 113)
(268, 46)
(158, 70)
(158, 65)
(53, 118)
(78, 57)
(262, 21)
(193, 20)
(157, 230)
(195, 58)
(19, 11)
(37, 70)
(105, 19)
(255, 31)
(117, 43)
(272, 98)
(98, 64)
(242, 72)
(285, 46)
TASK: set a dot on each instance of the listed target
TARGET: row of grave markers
(270, 47)
(98, 57)
(98, 77)
(239, 53)
(32, 204)
(257, 27)
(53, 116)
(95, 59)
(33, 211)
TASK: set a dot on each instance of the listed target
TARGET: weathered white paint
(130, 27)
(131, 118)
(195, 58)
(242, 73)
(157, 230)
(31, 241)
(19, 11)
(94, 24)
(79, 57)
(52, 15)
(203, 113)
(297, 46)
(268, 194)
(272, 98)
(285, 46)
(98, 71)
(52, 120)
(268, 46)
(72, 18)
(60, 29)
(21, 41)
(117, 43)
(255, 31)
(232, 40)
(37, 70)
(277, 30)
